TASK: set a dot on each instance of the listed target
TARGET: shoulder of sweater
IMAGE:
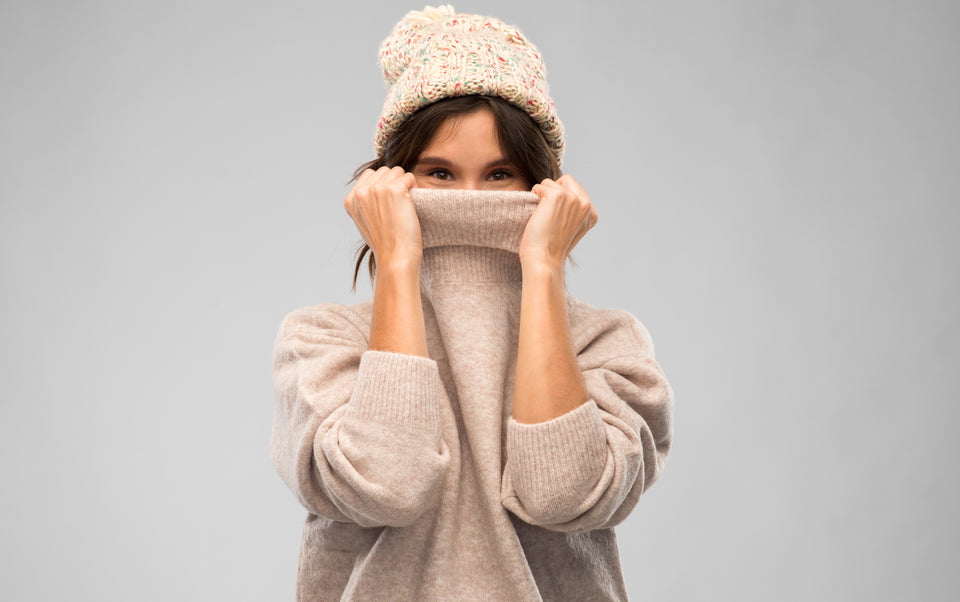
(352, 320)
(589, 323)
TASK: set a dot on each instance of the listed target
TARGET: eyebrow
(445, 163)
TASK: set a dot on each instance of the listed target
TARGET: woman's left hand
(561, 219)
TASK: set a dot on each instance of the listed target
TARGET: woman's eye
(500, 174)
(440, 174)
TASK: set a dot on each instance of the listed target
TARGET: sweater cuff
(397, 389)
(560, 458)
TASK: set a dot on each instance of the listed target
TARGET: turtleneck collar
(471, 235)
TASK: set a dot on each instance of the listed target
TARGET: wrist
(543, 271)
(399, 266)
(542, 264)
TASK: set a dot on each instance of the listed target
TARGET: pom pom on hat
(436, 53)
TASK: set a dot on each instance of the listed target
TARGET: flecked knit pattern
(418, 483)
(436, 53)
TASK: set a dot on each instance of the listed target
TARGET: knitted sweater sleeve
(587, 468)
(356, 432)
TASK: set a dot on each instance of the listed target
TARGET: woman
(472, 431)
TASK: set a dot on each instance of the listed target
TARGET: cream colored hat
(435, 53)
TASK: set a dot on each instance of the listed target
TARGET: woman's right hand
(382, 209)
(383, 212)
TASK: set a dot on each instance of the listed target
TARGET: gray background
(777, 189)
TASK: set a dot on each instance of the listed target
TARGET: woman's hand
(382, 209)
(561, 219)
(548, 381)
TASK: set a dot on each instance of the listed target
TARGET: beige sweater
(418, 482)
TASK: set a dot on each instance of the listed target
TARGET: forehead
(477, 127)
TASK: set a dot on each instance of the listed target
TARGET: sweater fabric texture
(419, 484)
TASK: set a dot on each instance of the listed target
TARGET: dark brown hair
(520, 138)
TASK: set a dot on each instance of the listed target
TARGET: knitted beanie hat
(435, 53)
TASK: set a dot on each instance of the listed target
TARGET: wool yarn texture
(417, 481)
(438, 53)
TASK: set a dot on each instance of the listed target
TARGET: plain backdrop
(777, 185)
